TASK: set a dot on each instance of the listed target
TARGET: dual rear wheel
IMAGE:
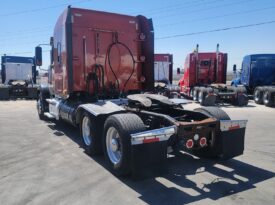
(114, 141)
(264, 96)
(268, 98)
(203, 96)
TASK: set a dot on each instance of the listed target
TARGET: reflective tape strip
(150, 140)
(152, 136)
(226, 125)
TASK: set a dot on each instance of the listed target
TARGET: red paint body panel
(211, 68)
(164, 65)
(82, 40)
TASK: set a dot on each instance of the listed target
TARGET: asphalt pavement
(42, 163)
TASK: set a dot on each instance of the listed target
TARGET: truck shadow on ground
(186, 179)
(189, 180)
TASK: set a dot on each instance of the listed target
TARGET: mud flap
(149, 160)
(210, 100)
(4, 93)
(231, 143)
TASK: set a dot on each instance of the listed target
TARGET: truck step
(49, 115)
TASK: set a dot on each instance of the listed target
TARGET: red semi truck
(204, 79)
(102, 65)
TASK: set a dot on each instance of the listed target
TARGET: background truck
(163, 68)
(258, 76)
(163, 76)
(18, 75)
(204, 80)
(102, 66)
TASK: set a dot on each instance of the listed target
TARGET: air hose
(94, 77)
(107, 59)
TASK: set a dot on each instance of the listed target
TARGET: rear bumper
(149, 148)
(229, 136)
(226, 95)
(157, 135)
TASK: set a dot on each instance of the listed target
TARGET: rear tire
(90, 136)
(42, 104)
(215, 112)
(191, 93)
(241, 100)
(40, 110)
(258, 96)
(201, 97)
(117, 141)
(211, 151)
(268, 98)
(195, 94)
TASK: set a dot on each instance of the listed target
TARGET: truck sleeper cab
(99, 84)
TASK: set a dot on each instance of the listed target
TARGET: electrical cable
(217, 16)
(107, 58)
(134, 62)
(150, 11)
(203, 9)
(42, 9)
(109, 62)
(216, 30)
(99, 67)
(184, 7)
(23, 52)
(181, 6)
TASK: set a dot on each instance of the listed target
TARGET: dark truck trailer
(18, 75)
(204, 80)
(103, 66)
(258, 76)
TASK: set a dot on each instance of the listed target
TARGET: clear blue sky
(25, 24)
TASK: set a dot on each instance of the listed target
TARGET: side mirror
(178, 71)
(234, 68)
(38, 56)
(51, 41)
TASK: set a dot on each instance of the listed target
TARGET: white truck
(18, 75)
(163, 68)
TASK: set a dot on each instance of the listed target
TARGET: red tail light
(202, 141)
(189, 144)
(142, 79)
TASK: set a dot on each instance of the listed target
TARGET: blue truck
(18, 77)
(258, 76)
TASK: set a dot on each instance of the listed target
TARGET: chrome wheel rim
(86, 131)
(113, 145)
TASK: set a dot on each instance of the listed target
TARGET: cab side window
(59, 60)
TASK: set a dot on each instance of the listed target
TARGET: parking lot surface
(42, 163)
